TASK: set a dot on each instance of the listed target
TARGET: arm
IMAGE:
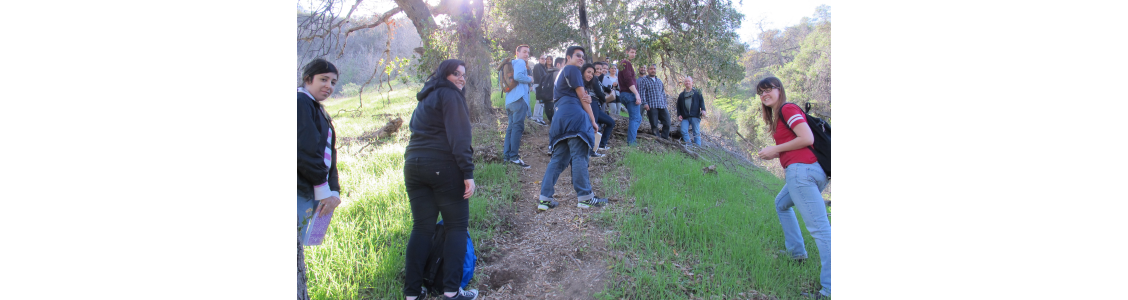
(700, 101)
(804, 137)
(311, 150)
(585, 102)
(456, 120)
(520, 72)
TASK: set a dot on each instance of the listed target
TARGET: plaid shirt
(652, 92)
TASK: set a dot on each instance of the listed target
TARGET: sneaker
(597, 155)
(592, 202)
(521, 163)
(545, 205)
(795, 258)
(464, 295)
(550, 150)
(605, 149)
(540, 122)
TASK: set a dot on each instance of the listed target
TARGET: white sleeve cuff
(321, 191)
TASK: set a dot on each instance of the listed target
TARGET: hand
(769, 153)
(638, 100)
(679, 118)
(326, 206)
(469, 188)
(646, 107)
(596, 126)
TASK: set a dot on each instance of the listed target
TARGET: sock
(412, 297)
(450, 294)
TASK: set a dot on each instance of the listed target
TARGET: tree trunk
(585, 33)
(303, 292)
(472, 49)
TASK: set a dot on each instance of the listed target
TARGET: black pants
(435, 187)
(662, 115)
(549, 108)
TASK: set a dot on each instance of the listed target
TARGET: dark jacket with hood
(697, 104)
(313, 132)
(440, 126)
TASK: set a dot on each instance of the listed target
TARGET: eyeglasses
(459, 75)
(762, 92)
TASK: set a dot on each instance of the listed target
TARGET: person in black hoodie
(318, 189)
(438, 173)
(690, 108)
(598, 99)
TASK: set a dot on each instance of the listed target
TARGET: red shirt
(626, 77)
(793, 116)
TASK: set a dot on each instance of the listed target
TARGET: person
(611, 80)
(804, 178)
(598, 99)
(691, 106)
(438, 174)
(318, 188)
(517, 107)
(628, 95)
(572, 135)
(539, 72)
(604, 82)
(319, 191)
(654, 102)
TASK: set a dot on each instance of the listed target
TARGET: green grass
(363, 254)
(720, 228)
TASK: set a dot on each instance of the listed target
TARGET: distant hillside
(363, 52)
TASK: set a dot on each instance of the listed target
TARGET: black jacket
(695, 108)
(313, 132)
(440, 127)
(598, 96)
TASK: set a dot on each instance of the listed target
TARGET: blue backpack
(433, 269)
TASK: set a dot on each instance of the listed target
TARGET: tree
(327, 27)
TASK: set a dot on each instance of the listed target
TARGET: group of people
(439, 168)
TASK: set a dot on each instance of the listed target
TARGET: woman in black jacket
(598, 99)
(438, 172)
(318, 190)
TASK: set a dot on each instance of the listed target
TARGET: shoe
(592, 202)
(541, 122)
(795, 258)
(815, 295)
(549, 150)
(545, 205)
(605, 149)
(597, 155)
(464, 295)
(521, 163)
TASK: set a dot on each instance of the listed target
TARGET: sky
(775, 13)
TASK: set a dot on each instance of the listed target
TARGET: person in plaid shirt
(654, 102)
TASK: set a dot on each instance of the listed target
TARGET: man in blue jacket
(517, 107)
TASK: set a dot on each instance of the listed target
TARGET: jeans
(659, 114)
(517, 111)
(802, 189)
(306, 208)
(574, 153)
(607, 124)
(628, 100)
(696, 123)
(538, 111)
(435, 187)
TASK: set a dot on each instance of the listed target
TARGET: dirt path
(558, 254)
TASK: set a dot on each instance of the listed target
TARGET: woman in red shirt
(804, 178)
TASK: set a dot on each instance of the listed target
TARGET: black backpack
(821, 147)
(433, 268)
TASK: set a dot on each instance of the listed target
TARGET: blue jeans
(802, 189)
(518, 111)
(696, 123)
(635, 119)
(306, 207)
(606, 127)
(575, 153)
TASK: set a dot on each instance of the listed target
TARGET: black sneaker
(597, 155)
(545, 205)
(464, 295)
(592, 202)
(521, 163)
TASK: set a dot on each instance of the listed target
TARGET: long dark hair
(769, 114)
(584, 69)
(445, 68)
(317, 66)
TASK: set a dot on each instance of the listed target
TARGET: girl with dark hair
(438, 172)
(594, 89)
(804, 179)
(318, 190)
